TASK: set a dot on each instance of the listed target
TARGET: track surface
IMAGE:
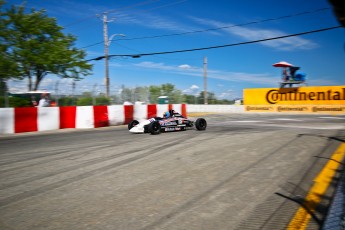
(226, 177)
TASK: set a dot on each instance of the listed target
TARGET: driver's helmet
(166, 114)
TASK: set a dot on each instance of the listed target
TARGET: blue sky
(230, 70)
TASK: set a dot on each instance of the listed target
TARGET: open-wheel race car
(171, 122)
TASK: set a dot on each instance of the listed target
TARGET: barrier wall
(33, 119)
(215, 109)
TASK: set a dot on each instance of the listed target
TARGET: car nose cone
(137, 129)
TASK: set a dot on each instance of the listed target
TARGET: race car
(157, 125)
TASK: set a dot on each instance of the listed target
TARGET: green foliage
(8, 67)
(189, 99)
(33, 45)
(175, 95)
(2, 101)
(84, 101)
(126, 94)
(155, 92)
(15, 102)
(66, 101)
(19, 102)
(102, 100)
(211, 99)
(3, 86)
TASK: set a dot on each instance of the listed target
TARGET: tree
(126, 94)
(167, 89)
(155, 92)
(34, 45)
(8, 67)
(189, 99)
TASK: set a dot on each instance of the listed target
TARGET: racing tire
(155, 128)
(132, 124)
(200, 124)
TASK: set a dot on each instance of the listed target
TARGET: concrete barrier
(215, 108)
(33, 119)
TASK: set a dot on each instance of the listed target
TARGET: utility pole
(107, 42)
(205, 80)
(106, 52)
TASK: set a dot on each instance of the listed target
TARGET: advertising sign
(316, 99)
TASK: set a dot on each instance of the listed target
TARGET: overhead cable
(214, 47)
(114, 10)
(213, 29)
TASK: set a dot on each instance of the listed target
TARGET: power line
(215, 47)
(126, 8)
(213, 29)
(114, 10)
(226, 27)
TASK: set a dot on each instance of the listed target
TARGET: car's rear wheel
(155, 128)
(200, 124)
(132, 124)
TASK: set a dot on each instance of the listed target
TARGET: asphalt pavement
(246, 171)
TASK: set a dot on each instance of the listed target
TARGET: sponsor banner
(316, 95)
(328, 109)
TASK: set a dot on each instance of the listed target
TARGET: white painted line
(286, 119)
(246, 121)
(329, 127)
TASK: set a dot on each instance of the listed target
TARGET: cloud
(229, 94)
(181, 69)
(49, 83)
(185, 66)
(155, 65)
(250, 34)
(194, 89)
(153, 21)
(215, 74)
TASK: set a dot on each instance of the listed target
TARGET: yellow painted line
(321, 182)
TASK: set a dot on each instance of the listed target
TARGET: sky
(152, 26)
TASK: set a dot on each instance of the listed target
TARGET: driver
(166, 115)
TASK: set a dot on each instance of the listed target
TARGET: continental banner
(316, 99)
(328, 109)
(318, 95)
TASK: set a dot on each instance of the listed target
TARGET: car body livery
(158, 124)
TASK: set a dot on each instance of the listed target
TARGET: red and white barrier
(7, 120)
(116, 114)
(33, 119)
(48, 118)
